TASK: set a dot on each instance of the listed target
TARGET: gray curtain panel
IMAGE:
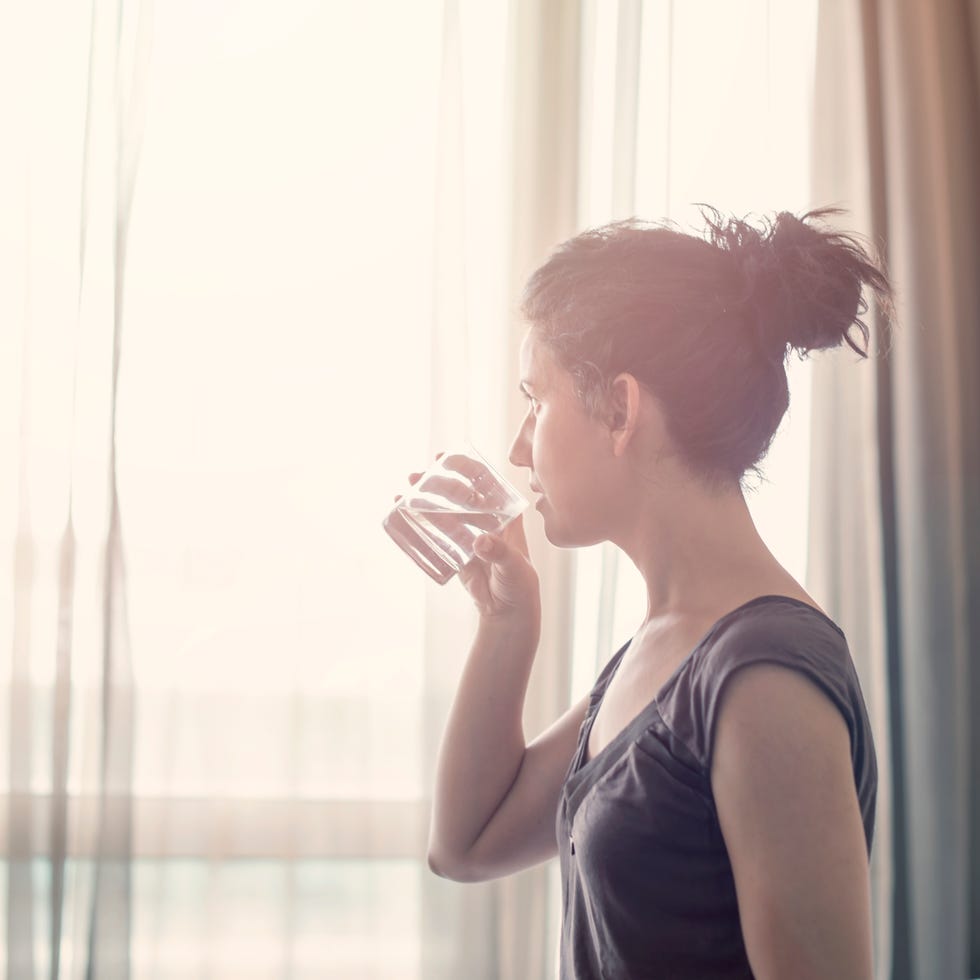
(900, 147)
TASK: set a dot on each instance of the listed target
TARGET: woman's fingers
(514, 535)
(440, 492)
(462, 481)
(436, 488)
(471, 470)
(413, 478)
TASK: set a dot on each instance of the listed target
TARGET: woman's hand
(501, 578)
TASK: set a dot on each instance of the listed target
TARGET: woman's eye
(532, 403)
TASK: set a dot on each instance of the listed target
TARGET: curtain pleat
(546, 43)
(110, 923)
(61, 716)
(932, 160)
(456, 936)
(58, 838)
(900, 146)
(79, 867)
(20, 880)
(626, 122)
(846, 569)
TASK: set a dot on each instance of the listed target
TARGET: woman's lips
(536, 489)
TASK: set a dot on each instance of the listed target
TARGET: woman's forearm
(483, 743)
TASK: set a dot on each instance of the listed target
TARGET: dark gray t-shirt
(647, 885)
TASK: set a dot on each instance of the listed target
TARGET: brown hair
(705, 323)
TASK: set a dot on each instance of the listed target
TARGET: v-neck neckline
(628, 731)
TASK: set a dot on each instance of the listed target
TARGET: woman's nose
(519, 453)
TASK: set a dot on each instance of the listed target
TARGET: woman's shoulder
(781, 630)
(772, 626)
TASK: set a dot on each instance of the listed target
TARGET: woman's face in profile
(564, 448)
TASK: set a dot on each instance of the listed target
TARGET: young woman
(711, 801)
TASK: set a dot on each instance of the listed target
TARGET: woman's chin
(559, 535)
(551, 537)
(552, 532)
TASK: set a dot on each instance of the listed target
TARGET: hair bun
(801, 284)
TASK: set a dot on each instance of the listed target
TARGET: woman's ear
(624, 411)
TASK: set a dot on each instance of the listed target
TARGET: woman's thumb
(488, 547)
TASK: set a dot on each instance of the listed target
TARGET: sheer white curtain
(220, 756)
(71, 115)
(243, 636)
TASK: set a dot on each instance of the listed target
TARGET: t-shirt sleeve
(816, 651)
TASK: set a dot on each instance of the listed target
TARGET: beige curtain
(895, 543)
(845, 563)
(545, 114)
(504, 929)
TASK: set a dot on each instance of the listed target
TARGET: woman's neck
(696, 549)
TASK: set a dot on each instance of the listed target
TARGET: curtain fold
(68, 906)
(845, 568)
(455, 919)
(110, 921)
(543, 108)
(904, 157)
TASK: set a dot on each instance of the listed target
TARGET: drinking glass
(459, 497)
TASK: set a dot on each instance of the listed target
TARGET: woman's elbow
(455, 869)
(436, 866)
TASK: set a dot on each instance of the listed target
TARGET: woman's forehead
(535, 362)
(541, 371)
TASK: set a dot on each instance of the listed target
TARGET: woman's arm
(495, 800)
(784, 789)
(516, 813)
